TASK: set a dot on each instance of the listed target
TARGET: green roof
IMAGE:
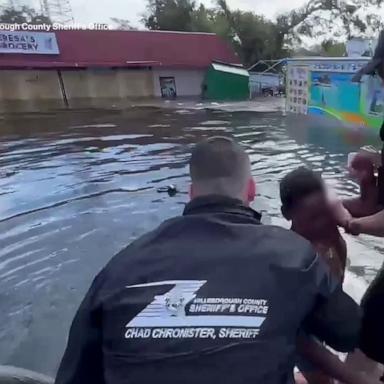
(230, 69)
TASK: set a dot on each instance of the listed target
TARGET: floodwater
(77, 186)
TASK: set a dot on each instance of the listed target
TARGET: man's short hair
(299, 184)
(220, 165)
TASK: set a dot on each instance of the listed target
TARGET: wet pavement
(77, 186)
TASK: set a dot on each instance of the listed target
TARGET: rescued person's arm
(329, 363)
(82, 362)
(345, 211)
(336, 317)
(367, 203)
(370, 225)
(362, 169)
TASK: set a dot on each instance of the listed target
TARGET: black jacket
(208, 297)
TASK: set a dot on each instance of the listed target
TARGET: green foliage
(328, 48)
(332, 48)
(342, 18)
(255, 37)
(252, 36)
(202, 20)
(170, 15)
(23, 15)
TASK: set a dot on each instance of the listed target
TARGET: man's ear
(251, 190)
(285, 213)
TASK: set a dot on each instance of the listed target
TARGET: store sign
(38, 43)
(341, 66)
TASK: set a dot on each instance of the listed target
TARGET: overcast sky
(86, 11)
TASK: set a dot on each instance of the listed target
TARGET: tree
(169, 15)
(202, 19)
(254, 37)
(186, 15)
(259, 38)
(333, 48)
(328, 48)
(339, 18)
(23, 15)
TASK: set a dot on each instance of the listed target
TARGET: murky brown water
(76, 187)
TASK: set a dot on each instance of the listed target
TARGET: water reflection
(75, 187)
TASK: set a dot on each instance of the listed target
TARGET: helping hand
(353, 227)
(341, 215)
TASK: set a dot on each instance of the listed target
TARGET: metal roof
(322, 58)
(230, 69)
(88, 48)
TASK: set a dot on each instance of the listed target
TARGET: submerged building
(84, 67)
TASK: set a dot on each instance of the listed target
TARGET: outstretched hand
(370, 225)
(353, 227)
(344, 219)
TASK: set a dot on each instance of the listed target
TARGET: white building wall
(188, 82)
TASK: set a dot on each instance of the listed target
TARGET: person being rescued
(305, 203)
(364, 214)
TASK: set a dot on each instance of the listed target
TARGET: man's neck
(219, 203)
(322, 239)
(302, 232)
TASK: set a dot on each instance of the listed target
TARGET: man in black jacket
(211, 296)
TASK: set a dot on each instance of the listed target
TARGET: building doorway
(168, 87)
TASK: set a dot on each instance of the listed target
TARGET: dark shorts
(372, 333)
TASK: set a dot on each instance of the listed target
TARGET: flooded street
(76, 187)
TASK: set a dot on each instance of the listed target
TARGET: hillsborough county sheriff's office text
(45, 27)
